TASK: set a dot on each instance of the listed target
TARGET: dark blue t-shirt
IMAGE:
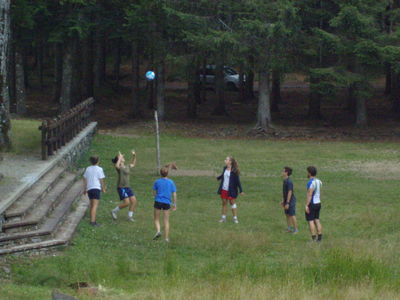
(288, 186)
(164, 188)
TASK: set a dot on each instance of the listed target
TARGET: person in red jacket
(229, 186)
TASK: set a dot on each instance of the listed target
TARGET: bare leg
(318, 225)
(234, 210)
(157, 219)
(166, 224)
(288, 221)
(93, 209)
(224, 206)
(312, 228)
(132, 203)
(124, 204)
(294, 222)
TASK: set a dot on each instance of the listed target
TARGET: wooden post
(43, 128)
(157, 142)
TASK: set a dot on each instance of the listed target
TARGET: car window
(230, 71)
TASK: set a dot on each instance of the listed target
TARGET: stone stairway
(46, 214)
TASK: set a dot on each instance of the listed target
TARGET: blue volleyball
(150, 75)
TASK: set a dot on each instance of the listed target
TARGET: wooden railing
(59, 131)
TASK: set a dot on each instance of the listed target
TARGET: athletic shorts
(291, 211)
(161, 206)
(125, 192)
(94, 194)
(225, 195)
(314, 212)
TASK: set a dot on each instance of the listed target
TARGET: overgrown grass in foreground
(25, 136)
(252, 260)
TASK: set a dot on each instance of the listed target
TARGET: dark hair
(114, 160)
(312, 170)
(94, 160)
(165, 170)
(288, 170)
(234, 165)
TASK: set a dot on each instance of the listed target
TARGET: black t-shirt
(288, 186)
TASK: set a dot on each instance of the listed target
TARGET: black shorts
(94, 194)
(291, 211)
(314, 212)
(161, 206)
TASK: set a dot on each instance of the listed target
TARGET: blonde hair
(165, 170)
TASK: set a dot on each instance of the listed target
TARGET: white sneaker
(131, 219)
(157, 236)
(114, 215)
(222, 220)
(167, 240)
(236, 221)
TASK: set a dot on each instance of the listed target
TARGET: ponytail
(234, 166)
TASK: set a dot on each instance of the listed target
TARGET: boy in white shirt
(93, 184)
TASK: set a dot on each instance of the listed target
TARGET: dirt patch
(370, 169)
(194, 173)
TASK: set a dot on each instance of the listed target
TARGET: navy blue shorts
(125, 192)
(161, 206)
(291, 211)
(94, 194)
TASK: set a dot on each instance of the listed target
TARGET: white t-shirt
(316, 184)
(93, 174)
(225, 185)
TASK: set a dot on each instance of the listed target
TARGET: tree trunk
(193, 88)
(11, 75)
(203, 85)
(264, 109)
(388, 82)
(99, 58)
(20, 84)
(5, 124)
(136, 101)
(66, 89)
(361, 113)
(351, 99)
(160, 91)
(76, 95)
(117, 63)
(242, 85)
(276, 91)
(40, 49)
(87, 68)
(395, 96)
(220, 89)
(314, 104)
(58, 71)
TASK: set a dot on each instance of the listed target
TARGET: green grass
(358, 259)
(25, 136)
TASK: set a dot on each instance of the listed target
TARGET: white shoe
(236, 221)
(157, 236)
(131, 219)
(222, 220)
(167, 240)
(114, 215)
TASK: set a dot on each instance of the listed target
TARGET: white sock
(116, 209)
(235, 217)
(223, 217)
(130, 214)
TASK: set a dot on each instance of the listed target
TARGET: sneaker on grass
(131, 219)
(114, 215)
(157, 236)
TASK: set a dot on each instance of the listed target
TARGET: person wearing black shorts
(313, 204)
(289, 201)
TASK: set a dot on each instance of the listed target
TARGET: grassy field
(25, 136)
(256, 259)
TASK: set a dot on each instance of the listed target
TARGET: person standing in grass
(93, 184)
(228, 188)
(163, 189)
(126, 195)
(289, 201)
(313, 204)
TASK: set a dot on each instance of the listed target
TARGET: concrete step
(40, 210)
(34, 194)
(50, 224)
(63, 235)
